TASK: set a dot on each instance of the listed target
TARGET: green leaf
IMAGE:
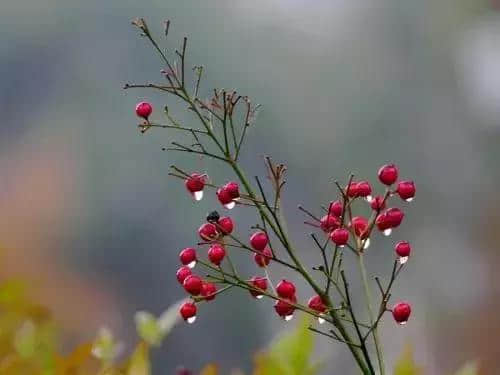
(470, 368)
(25, 340)
(406, 364)
(289, 355)
(170, 317)
(139, 362)
(148, 328)
(105, 347)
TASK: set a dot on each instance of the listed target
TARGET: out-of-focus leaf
(470, 368)
(25, 340)
(139, 361)
(75, 360)
(406, 364)
(169, 318)
(210, 369)
(290, 354)
(148, 328)
(104, 347)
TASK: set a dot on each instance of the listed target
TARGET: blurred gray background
(91, 217)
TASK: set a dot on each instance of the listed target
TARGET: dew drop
(260, 296)
(403, 260)
(198, 195)
(288, 317)
(402, 323)
(191, 319)
(321, 320)
(367, 244)
(409, 199)
(230, 205)
(387, 232)
(192, 264)
(369, 198)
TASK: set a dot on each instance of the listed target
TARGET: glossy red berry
(259, 283)
(192, 284)
(388, 174)
(216, 254)
(377, 203)
(406, 190)
(316, 303)
(336, 208)
(401, 312)
(394, 216)
(208, 232)
(188, 311)
(188, 257)
(195, 185)
(226, 225)
(403, 249)
(224, 197)
(208, 291)
(284, 308)
(382, 222)
(183, 273)
(360, 225)
(233, 189)
(340, 236)
(259, 240)
(263, 258)
(285, 289)
(329, 222)
(364, 189)
(143, 109)
(352, 190)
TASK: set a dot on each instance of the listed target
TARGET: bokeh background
(91, 219)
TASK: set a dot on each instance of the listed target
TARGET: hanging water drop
(366, 244)
(369, 198)
(288, 317)
(260, 296)
(230, 205)
(198, 195)
(387, 232)
(192, 264)
(321, 320)
(191, 319)
(403, 260)
(409, 199)
(403, 323)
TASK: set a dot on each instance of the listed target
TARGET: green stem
(366, 287)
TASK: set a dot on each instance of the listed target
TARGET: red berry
(259, 240)
(208, 232)
(188, 310)
(336, 208)
(192, 284)
(143, 109)
(394, 216)
(406, 190)
(316, 303)
(233, 189)
(226, 225)
(360, 224)
(216, 254)
(208, 291)
(352, 189)
(403, 249)
(388, 174)
(364, 189)
(195, 185)
(183, 273)
(284, 308)
(401, 312)
(382, 222)
(329, 222)
(377, 203)
(285, 289)
(259, 283)
(224, 197)
(340, 236)
(263, 258)
(188, 256)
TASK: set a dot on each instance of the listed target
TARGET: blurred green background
(90, 217)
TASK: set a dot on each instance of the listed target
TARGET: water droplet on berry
(369, 198)
(191, 319)
(198, 195)
(260, 296)
(288, 317)
(402, 323)
(192, 264)
(403, 260)
(366, 244)
(409, 199)
(321, 320)
(230, 205)
(387, 232)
